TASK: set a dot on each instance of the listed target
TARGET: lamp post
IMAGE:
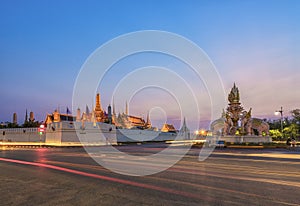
(281, 117)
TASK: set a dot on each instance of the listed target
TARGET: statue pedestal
(246, 139)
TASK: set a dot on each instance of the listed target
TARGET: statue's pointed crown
(234, 95)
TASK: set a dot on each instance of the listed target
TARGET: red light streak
(112, 179)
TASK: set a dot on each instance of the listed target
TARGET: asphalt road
(68, 176)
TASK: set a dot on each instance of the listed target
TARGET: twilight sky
(44, 44)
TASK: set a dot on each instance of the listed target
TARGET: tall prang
(31, 117)
(99, 114)
(26, 117)
(15, 120)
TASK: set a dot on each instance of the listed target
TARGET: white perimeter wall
(21, 135)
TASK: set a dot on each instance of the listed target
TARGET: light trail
(247, 169)
(169, 180)
(270, 155)
(111, 179)
(235, 177)
(182, 170)
(229, 191)
(259, 160)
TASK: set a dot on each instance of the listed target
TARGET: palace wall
(64, 132)
(21, 135)
(92, 135)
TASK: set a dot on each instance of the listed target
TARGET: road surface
(68, 176)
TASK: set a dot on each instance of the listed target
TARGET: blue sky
(44, 44)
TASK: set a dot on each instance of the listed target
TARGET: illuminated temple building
(121, 120)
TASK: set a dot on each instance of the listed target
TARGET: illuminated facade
(58, 117)
(121, 120)
(168, 128)
(99, 114)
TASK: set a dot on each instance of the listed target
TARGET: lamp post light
(281, 117)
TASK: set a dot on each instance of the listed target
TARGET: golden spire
(114, 109)
(98, 103)
(126, 109)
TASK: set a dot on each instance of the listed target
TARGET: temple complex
(120, 120)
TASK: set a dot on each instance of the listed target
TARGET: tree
(295, 123)
(296, 116)
(275, 134)
(291, 131)
(274, 124)
(31, 124)
(12, 125)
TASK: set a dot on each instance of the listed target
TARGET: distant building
(122, 120)
(78, 115)
(31, 117)
(4, 124)
(129, 121)
(15, 120)
(109, 115)
(185, 130)
(168, 128)
(26, 117)
(57, 117)
(99, 113)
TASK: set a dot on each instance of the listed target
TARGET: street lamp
(281, 117)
